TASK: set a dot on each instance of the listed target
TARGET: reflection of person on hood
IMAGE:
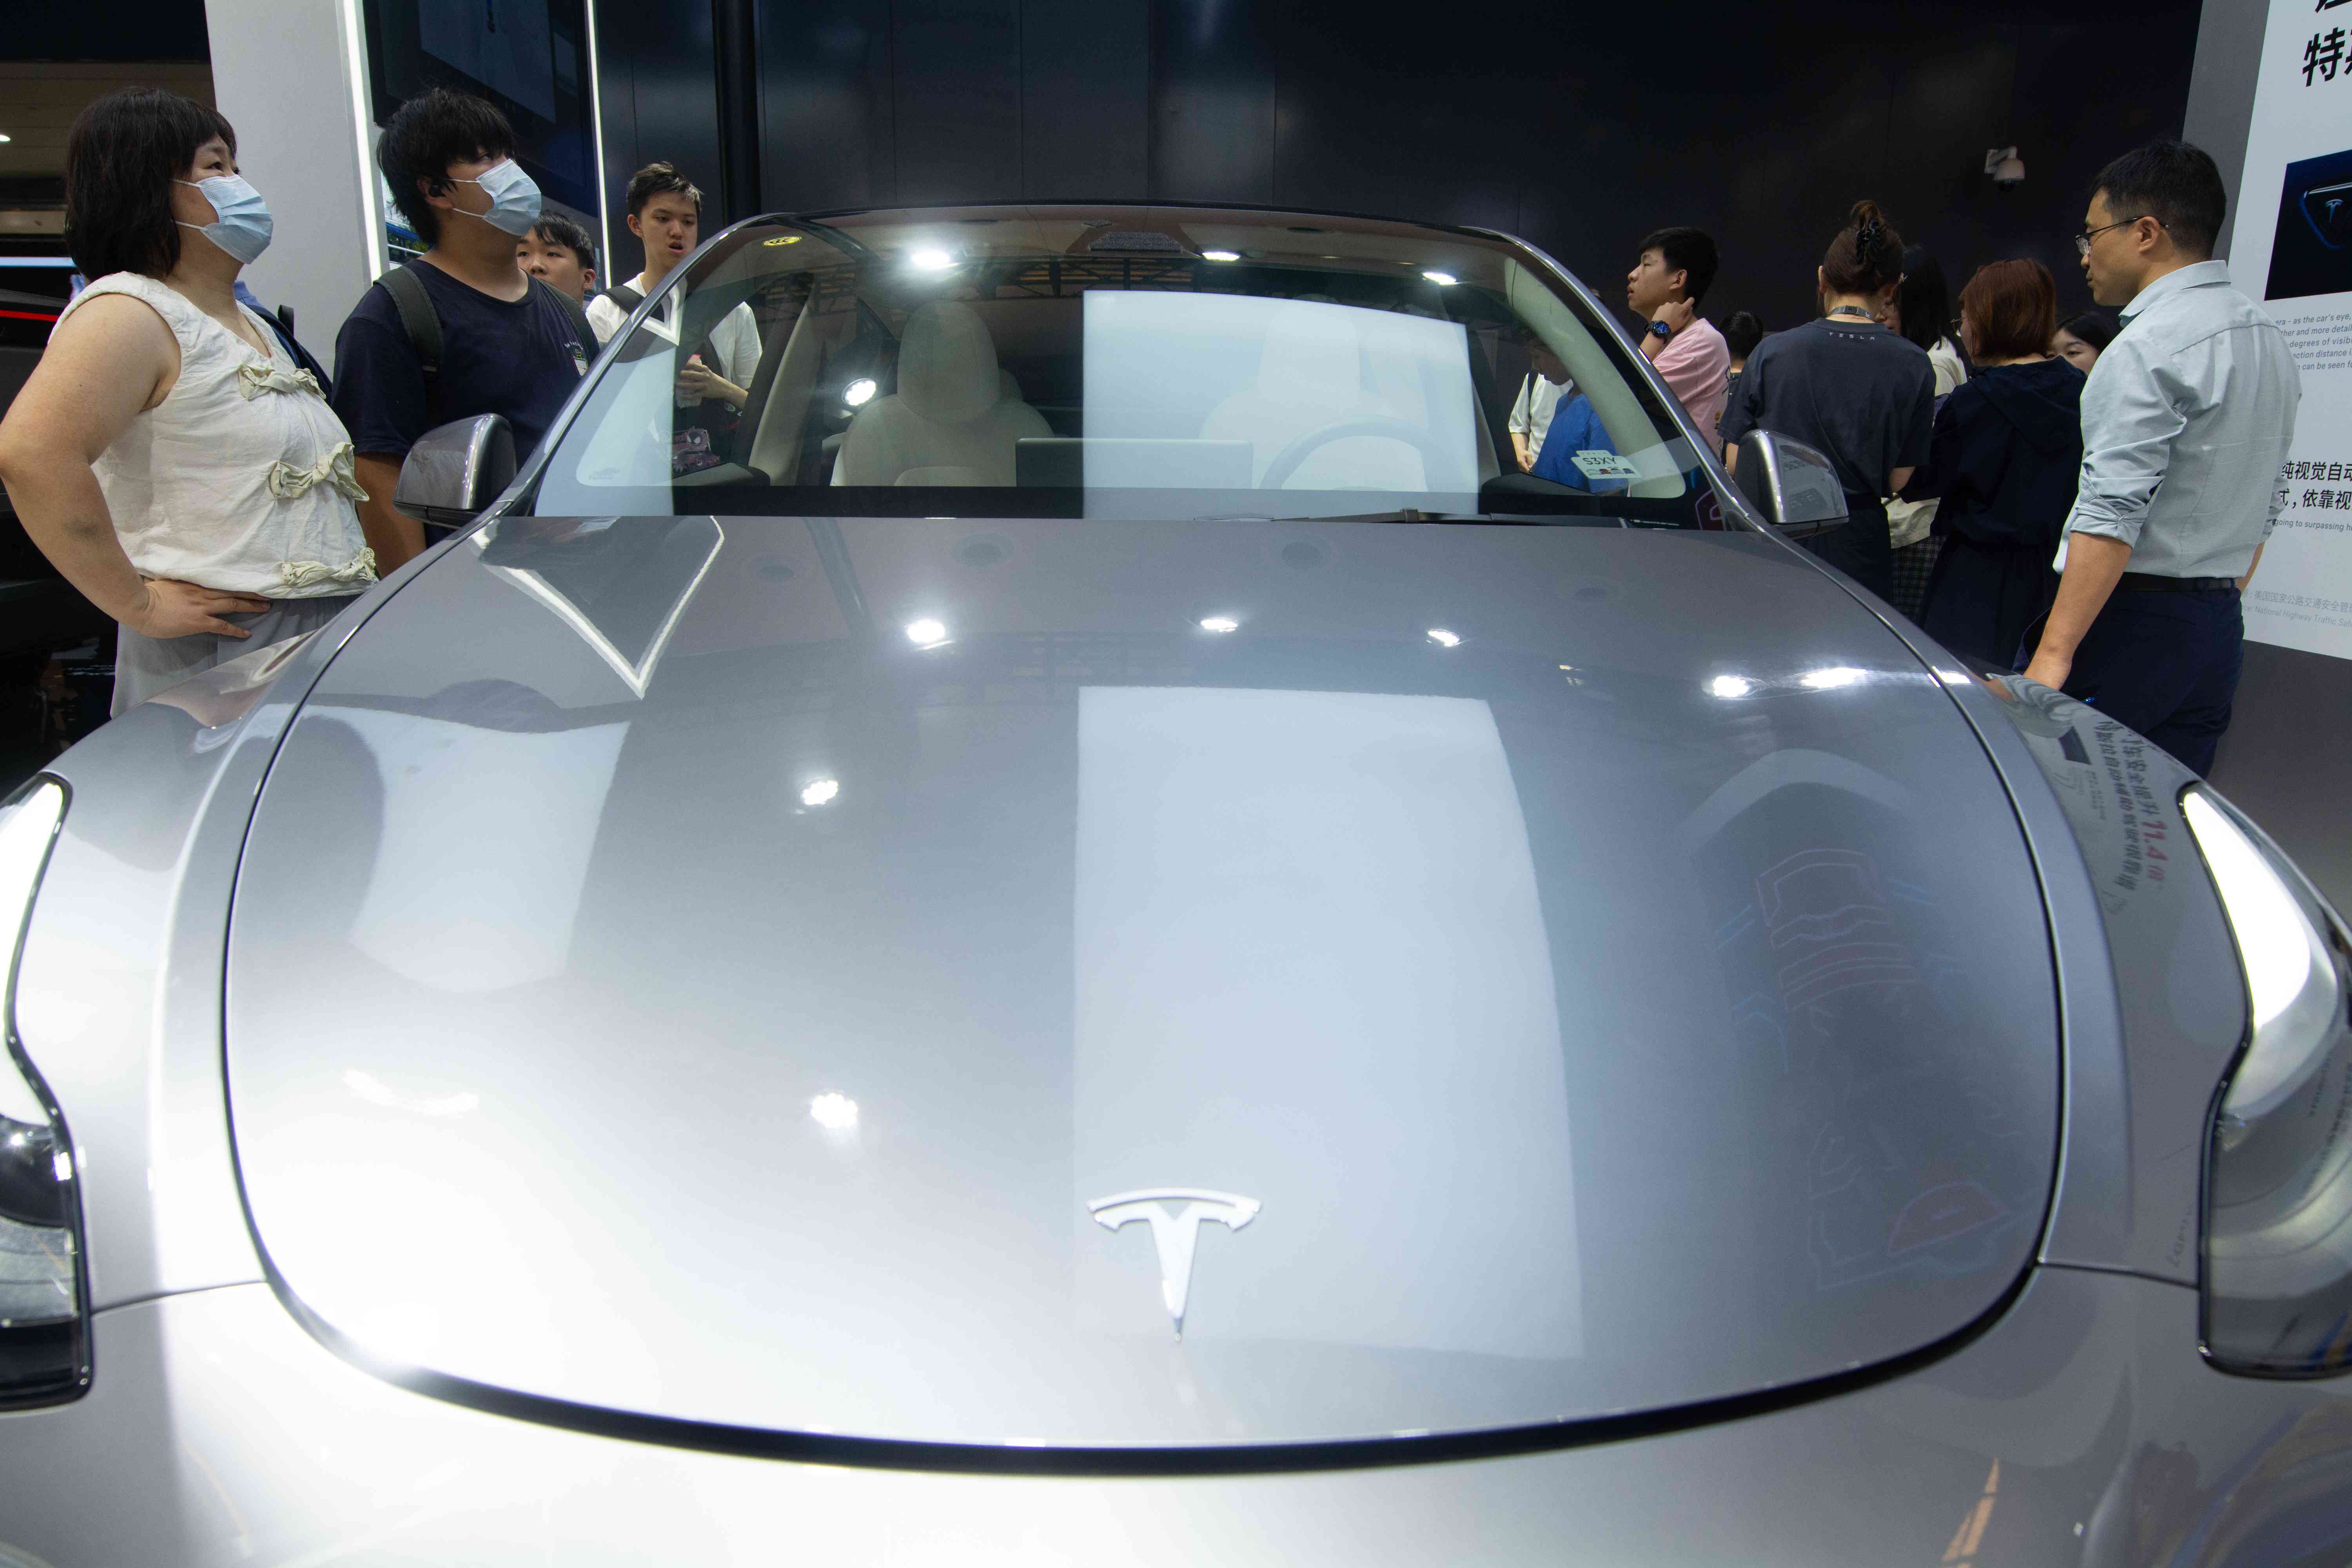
(2006, 450)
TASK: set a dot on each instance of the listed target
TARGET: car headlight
(44, 1330)
(2277, 1290)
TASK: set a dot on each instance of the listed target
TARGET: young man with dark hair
(560, 251)
(2187, 421)
(463, 330)
(1665, 289)
(666, 215)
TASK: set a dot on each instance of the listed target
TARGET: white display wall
(2291, 246)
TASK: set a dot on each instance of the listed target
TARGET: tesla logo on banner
(1174, 1215)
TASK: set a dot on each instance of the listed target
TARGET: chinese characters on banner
(2291, 247)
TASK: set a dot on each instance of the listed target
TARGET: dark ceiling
(113, 30)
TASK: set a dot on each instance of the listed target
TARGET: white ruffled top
(241, 478)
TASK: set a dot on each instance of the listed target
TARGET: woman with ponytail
(1845, 385)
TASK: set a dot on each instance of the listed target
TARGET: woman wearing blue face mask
(167, 454)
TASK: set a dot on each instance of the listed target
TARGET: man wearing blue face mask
(464, 329)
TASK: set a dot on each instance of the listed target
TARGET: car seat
(955, 419)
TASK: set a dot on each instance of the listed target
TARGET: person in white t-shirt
(168, 454)
(666, 215)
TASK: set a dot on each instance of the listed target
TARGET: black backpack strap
(628, 300)
(301, 356)
(418, 315)
(574, 311)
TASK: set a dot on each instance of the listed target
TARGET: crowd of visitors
(2082, 500)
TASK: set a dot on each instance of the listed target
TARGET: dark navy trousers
(2164, 664)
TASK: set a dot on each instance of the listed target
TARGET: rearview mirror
(1790, 483)
(455, 470)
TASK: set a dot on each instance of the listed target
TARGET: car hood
(718, 970)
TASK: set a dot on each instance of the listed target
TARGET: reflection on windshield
(1322, 396)
(1131, 363)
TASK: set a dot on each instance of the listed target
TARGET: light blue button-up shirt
(2187, 419)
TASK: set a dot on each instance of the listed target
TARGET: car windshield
(1152, 363)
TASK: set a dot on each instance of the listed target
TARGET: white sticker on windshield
(1605, 466)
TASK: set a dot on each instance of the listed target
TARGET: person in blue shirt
(1575, 427)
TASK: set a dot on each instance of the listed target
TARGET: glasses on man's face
(2083, 240)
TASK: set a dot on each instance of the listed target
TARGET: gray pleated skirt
(145, 666)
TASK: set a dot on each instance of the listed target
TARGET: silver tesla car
(1047, 911)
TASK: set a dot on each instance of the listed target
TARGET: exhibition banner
(2292, 248)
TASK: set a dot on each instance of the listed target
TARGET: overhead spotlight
(1220, 624)
(835, 1112)
(1839, 674)
(860, 393)
(927, 633)
(816, 791)
(1221, 255)
(930, 260)
(4, 139)
(1444, 638)
(1442, 280)
(1731, 686)
(2006, 169)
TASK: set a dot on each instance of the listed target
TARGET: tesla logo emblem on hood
(1175, 1214)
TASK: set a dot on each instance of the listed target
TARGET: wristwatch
(1660, 330)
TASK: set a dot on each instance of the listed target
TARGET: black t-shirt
(1863, 397)
(520, 359)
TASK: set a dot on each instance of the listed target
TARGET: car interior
(1136, 360)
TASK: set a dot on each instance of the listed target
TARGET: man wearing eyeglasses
(2187, 419)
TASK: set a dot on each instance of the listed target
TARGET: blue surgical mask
(514, 199)
(242, 226)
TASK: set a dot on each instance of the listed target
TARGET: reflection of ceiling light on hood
(1444, 638)
(816, 791)
(1442, 280)
(930, 260)
(926, 632)
(1731, 686)
(1839, 674)
(376, 1092)
(1220, 624)
(835, 1112)
(1221, 255)
(860, 393)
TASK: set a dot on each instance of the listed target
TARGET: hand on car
(177, 609)
(2049, 668)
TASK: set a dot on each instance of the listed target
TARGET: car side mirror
(1790, 483)
(457, 469)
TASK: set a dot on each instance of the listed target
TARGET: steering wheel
(1288, 461)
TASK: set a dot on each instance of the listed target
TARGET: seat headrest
(946, 363)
